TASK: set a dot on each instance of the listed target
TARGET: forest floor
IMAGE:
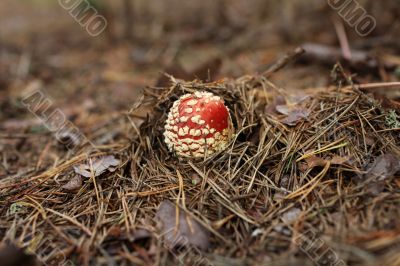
(310, 178)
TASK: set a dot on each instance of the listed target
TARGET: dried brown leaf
(100, 165)
(295, 116)
(338, 160)
(74, 184)
(314, 161)
(185, 231)
(272, 108)
(384, 167)
(291, 215)
(284, 109)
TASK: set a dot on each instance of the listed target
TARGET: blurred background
(44, 44)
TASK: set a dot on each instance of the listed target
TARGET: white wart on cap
(198, 125)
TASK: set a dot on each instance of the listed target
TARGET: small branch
(329, 55)
(374, 86)
(342, 36)
(281, 63)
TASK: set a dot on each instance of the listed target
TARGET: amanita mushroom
(198, 125)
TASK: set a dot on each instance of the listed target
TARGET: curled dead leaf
(74, 184)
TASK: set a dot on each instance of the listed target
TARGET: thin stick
(281, 63)
(342, 36)
(373, 86)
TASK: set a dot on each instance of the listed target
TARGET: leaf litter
(99, 166)
(383, 169)
(246, 192)
(183, 231)
(74, 184)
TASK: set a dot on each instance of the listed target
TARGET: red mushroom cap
(198, 124)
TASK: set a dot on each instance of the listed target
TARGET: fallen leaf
(74, 184)
(186, 231)
(296, 116)
(100, 165)
(290, 103)
(314, 161)
(273, 106)
(291, 215)
(298, 98)
(338, 160)
(284, 109)
(383, 168)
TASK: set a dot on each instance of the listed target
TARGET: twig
(374, 86)
(342, 36)
(281, 63)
